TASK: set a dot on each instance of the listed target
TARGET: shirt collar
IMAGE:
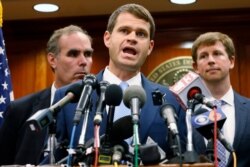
(53, 90)
(113, 79)
(229, 97)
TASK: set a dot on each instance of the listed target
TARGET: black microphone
(168, 114)
(113, 98)
(134, 98)
(195, 93)
(90, 84)
(101, 102)
(44, 117)
(150, 154)
(122, 129)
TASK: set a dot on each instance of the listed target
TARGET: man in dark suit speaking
(129, 39)
(69, 53)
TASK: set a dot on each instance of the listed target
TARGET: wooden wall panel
(26, 41)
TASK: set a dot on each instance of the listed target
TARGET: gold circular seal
(170, 71)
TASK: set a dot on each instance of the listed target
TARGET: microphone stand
(52, 137)
(136, 140)
(210, 150)
(71, 151)
(52, 142)
(190, 156)
(174, 142)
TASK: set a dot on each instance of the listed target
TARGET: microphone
(150, 154)
(182, 87)
(168, 114)
(44, 117)
(90, 83)
(118, 152)
(113, 98)
(204, 122)
(134, 98)
(195, 93)
(101, 102)
(122, 129)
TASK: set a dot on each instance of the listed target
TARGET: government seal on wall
(170, 71)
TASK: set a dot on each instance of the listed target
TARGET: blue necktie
(220, 148)
(122, 110)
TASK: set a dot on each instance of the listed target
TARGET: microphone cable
(136, 145)
(215, 137)
(96, 143)
(71, 150)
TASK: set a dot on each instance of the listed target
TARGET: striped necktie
(220, 148)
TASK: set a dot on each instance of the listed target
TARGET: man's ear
(51, 60)
(232, 61)
(106, 38)
(195, 67)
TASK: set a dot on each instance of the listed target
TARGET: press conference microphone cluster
(44, 117)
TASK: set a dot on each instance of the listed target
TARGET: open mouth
(129, 50)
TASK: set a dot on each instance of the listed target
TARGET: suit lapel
(147, 116)
(42, 101)
(240, 121)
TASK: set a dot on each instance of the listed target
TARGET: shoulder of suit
(33, 95)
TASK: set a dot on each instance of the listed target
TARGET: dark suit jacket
(18, 144)
(151, 123)
(241, 143)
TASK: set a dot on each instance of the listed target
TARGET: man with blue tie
(213, 54)
(129, 39)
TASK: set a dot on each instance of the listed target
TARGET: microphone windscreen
(113, 95)
(193, 91)
(76, 89)
(102, 86)
(150, 154)
(134, 91)
(122, 129)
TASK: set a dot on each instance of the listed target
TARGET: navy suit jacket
(18, 144)
(151, 123)
(241, 142)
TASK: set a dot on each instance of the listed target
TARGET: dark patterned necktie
(220, 148)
